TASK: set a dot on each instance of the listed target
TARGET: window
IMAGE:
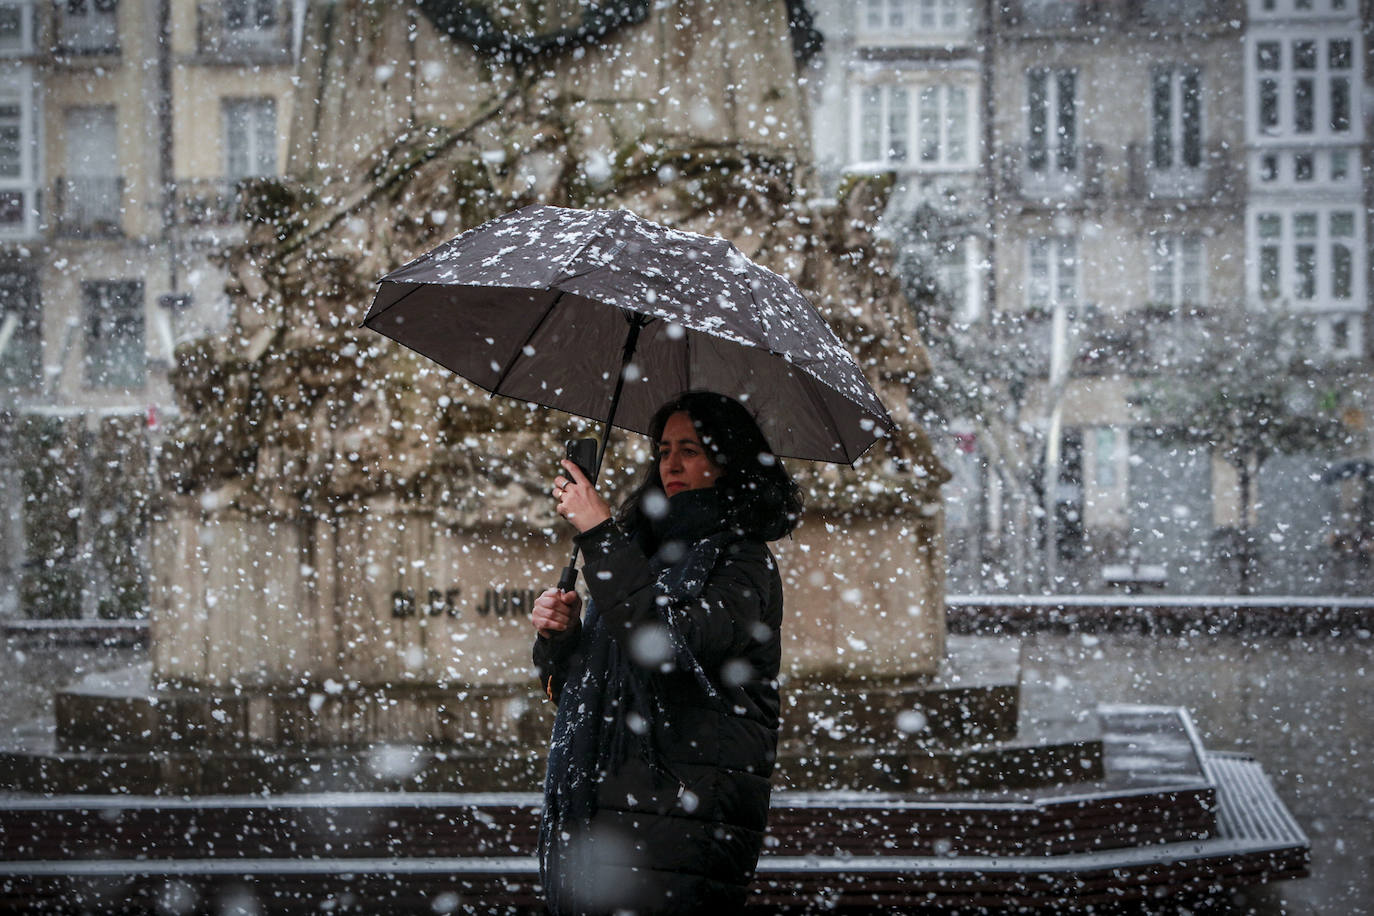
(88, 26)
(1304, 87)
(894, 120)
(16, 27)
(1107, 456)
(955, 273)
(910, 17)
(250, 138)
(1052, 279)
(1177, 269)
(1176, 119)
(21, 331)
(252, 23)
(18, 154)
(91, 189)
(1051, 130)
(1310, 256)
(115, 353)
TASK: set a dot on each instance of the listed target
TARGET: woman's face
(683, 462)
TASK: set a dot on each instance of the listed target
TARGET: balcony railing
(1055, 174)
(245, 36)
(90, 206)
(90, 28)
(1212, 179)
(205, 202)
(1067, 15)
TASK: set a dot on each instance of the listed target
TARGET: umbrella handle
(568, 581)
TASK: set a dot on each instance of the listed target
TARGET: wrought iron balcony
(1032, 16)
(1054, 174)
(90, 207)
(1213, 179)
(205, 202)
(87, 28)
(253, 31)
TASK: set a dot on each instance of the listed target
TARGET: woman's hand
(556, 612)
(578, 500)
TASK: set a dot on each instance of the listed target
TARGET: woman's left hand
(578, 500)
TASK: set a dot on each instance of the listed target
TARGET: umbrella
(606, 315)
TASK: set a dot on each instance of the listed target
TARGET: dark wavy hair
(757, 494)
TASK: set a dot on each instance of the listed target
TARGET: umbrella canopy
(547, 304)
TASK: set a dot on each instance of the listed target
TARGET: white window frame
(956, 264)
(24, 46)
(92, 29)
(1177, 176)
(1292, 221)
(897, 110)
(1062, 279)
(1173, 256)
(258, 137)
(1301, 9)
(17, 84)
(250, 33)
(906, 22)
(1285, 79)
(1055, 172)
(97, 375)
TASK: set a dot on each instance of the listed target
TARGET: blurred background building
(1087, 195)
(125, 131)
(1100, 202)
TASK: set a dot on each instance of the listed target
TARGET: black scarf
(609, 703)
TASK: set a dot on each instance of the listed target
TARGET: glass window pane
(1068, 133)
(930, 124)
(956, 116)
(1161, 271)
(1304, 55)
(1192, 274)
(1305, 268)
(1340, 165)
(897, 124)
(1270, 225)
(1067, 287)
(1342, 224)
(1304, 112)
(1192, 119)
(11, 140)
(1269, 271)
(1162, 120)
(873, 14)
(1340, 104)
(1338, 54)
(1037, 107)
(870, 125)
(1342, 271)
(1268, 55)
(1038, 283)
(1305, 225)
(1269, 104)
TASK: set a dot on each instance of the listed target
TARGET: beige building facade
(125, 130)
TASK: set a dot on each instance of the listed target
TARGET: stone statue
(352, 527)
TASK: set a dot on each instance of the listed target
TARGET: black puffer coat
(678, 808)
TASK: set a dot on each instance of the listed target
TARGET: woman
(657, 791)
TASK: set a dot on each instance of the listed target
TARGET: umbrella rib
(414, 288)
(534, 329)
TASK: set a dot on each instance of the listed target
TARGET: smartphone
(582, 452)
